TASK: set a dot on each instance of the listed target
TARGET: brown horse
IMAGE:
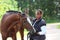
(12, 22)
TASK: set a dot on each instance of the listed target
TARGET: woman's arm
(43, 30)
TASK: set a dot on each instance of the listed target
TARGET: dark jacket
(41, 22)
(37, 27)
(38, 24)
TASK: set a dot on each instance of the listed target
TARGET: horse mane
(12, 11)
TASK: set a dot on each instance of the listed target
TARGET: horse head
(26, 22)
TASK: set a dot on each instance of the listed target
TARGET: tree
(7, 5)
(22, 4)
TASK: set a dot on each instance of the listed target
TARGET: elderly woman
(40, 26)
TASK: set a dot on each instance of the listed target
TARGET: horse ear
(23, 15)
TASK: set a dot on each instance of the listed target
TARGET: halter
(31, 24)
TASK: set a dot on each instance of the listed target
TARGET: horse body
(11, 23)
(7, 20)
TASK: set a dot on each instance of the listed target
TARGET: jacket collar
(38, 20)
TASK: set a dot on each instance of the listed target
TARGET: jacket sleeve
(43, 28)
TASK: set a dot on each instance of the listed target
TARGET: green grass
(58, 26)
(19, 36)
(25, 32)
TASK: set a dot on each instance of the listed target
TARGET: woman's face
(38, 15)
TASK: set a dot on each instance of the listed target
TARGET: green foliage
(7, 5)
(48, 7)
(22, 4)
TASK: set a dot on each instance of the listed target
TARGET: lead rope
(33, 25)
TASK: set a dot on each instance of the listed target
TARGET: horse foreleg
(4, 38)
(22, 34)
(14, 37)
